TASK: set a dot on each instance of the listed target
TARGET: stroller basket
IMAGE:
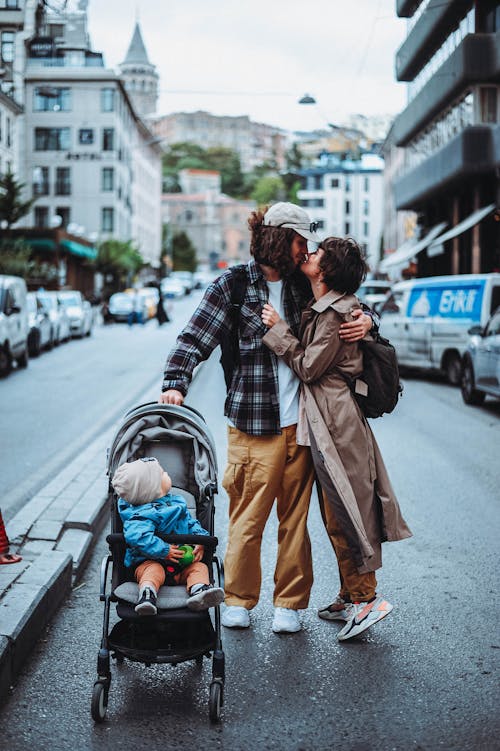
(178, 438)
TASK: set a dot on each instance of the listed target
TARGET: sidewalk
(54, 533)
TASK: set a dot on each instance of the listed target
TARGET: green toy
(188, 556)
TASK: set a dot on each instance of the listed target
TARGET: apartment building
(450, 133)
(345, 197)
(255, 143)
(88, 157)
(10, 113)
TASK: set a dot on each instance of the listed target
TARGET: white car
(373, 291)
(14, 327)
(172, 288)
(79, 312)
(481, 362)
(61, 326)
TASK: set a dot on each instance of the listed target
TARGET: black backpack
(381, 375)
(230, 351)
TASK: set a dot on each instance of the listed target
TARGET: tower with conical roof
(140, 76)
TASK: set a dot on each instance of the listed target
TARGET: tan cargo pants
(260, 470)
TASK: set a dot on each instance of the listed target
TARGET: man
(264, 461)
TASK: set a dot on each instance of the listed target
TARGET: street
(425, 678)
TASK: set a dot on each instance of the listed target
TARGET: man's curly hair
(271, 246)
(343, 264)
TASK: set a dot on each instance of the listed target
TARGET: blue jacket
(168, 515)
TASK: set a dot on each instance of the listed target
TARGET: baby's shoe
(204, 597)
(146, 604)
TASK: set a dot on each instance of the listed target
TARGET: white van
(427, 320)
(14, 326)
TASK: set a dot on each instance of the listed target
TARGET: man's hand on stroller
(198, 552)
(171, 396)
(174, 554)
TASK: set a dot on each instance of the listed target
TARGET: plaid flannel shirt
(252, 402)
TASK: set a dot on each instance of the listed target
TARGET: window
(1, 120)
(347, 207)
(347, 228)
(348, 184)
(334, 183)
(107, 100)
(8, 132)
(41, 181)
(318, 202)
(7, 47)
(41, 216)
(63, 181)
(366, 184)
(365, 229)
(52, 139)
(65, 213)
(52, 99)
(366, 207)
(86, 136)
(318, 182)
(107, 178)
(108, 139)
(107, 219)
(489, 104)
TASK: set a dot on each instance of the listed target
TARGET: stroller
(179, 439)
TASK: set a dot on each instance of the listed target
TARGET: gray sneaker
(338, 610)
(235, 616)
(363, 615)
(205, 598)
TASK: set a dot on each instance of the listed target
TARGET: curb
(54, 533)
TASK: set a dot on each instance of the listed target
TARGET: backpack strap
(229, 345)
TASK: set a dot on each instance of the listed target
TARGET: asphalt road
(425, 678)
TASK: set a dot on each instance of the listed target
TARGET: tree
(118, 262)
(12, 208)
(291, 177)
(268, 190)
(227, 162)
(16, 258)
(183, 253)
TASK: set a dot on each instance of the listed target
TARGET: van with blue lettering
(427, 320)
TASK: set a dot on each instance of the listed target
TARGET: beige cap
(138, 482)
(284, 214)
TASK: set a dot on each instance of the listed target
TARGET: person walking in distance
(264, 461)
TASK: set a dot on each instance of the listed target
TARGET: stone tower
(140, 76)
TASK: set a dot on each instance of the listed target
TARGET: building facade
(255, 143)
(92, 163)
(450, 133)
(346, 198)
(10, 118)
(215, 223)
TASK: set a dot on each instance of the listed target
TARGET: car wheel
(23, 360)
(470, 395)
(34, 344)
(5, 361)
(453, 369)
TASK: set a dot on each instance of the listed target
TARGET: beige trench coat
(366, 505)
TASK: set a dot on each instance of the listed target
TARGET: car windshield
(69, 300)
(119, 298)
(47, 301)
(372, 289)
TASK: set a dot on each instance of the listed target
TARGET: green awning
(41, 243)
(77, 249)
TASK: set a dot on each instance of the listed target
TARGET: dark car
(481, 362)
(40, 326)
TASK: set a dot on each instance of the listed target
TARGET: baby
(147, 508)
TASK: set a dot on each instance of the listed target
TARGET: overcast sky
(258, 58)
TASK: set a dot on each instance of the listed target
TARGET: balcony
(475, 151)
(11, 15)
(427, 35)
(476, 60)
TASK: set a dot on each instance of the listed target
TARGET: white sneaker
(286, 621)
(234, 616)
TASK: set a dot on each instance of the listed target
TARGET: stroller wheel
(215, 701)
(99, 703)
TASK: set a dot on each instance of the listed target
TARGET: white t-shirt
(288, 383)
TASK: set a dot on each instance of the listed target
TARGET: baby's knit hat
(138, 482)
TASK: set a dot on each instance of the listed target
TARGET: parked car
(427, 319)
(79, 312)
(119, 306)
(481, 363)
(373, 291)
(186, 278)
(14, 325)
(151, 297)
(40, 332)
(59, 319)
(172, 288)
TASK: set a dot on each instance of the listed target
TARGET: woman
(358, 506)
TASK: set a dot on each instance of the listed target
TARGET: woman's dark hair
(271, 245)
(343, 264)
